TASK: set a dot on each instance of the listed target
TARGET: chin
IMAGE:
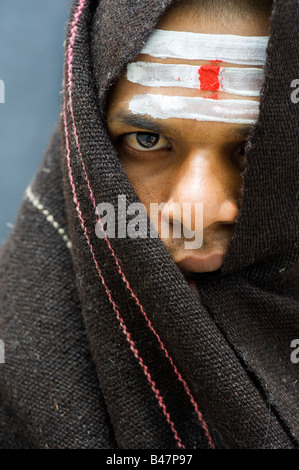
(201, 264)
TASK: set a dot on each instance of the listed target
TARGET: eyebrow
(242, 131)
(141, 121)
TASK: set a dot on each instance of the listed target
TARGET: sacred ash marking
(195, 46)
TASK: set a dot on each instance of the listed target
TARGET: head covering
(106, 346)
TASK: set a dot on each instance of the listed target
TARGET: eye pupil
(147, 140)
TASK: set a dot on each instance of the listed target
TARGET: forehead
(214, 22)
(125, 90)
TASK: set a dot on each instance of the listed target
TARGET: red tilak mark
(214, 97)
(209, 77)
(179, 78)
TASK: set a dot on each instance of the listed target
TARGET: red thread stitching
(69, 56)
(120, 319)
(133, 347)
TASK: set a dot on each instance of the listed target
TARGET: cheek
(149, 180)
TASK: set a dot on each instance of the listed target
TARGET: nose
(209, 179)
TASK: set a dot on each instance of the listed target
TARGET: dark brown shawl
(105, 344)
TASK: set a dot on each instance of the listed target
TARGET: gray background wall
(31, 59)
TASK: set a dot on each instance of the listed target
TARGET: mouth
(201, 264)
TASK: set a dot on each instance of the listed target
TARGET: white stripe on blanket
(36, 203)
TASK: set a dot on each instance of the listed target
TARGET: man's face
(177, 161)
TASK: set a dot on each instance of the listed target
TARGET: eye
(145, 141)
(240, 159)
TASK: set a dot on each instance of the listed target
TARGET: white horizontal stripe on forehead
(199, 109)
(237, 81)
(246, 50)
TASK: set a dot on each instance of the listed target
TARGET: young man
(186, 106)
(191, 158)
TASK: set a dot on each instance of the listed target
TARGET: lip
(202, 264)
